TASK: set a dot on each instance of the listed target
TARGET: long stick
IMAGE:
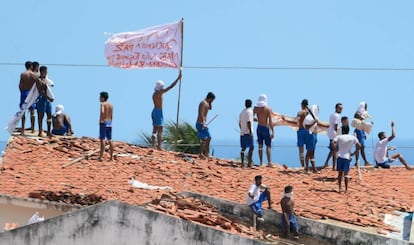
(212, 119)
(179, 86)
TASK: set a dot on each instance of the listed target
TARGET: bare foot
(41, 134)
(367, 164)
(326, 165)
(99, 159)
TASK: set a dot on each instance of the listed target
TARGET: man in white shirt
(257, 194)
(381, 151)
(246, 132)
(344, 143)
(332, 132)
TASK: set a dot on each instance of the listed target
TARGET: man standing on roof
(246, 132)
(381, 151)
(201, 125)
(157, 115)
(361, 114)
(332, 132)
(344, 143)
(310, 123)
(27, 79)
(265, 130)
(105, 125)
(44, 103)
(302, 132)
(257, 194)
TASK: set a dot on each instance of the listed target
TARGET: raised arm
(173, 84)
(392, 132)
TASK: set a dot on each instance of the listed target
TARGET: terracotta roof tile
(31, 165)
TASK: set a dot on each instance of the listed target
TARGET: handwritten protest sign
(153, 47)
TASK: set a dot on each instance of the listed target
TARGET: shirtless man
(265, 131)
(44, 104)
(105, 124)
(289, 222)
(35, 67)
(302, 132)
(27, 79)
(157, 116)
(202, 130)
(61, 122)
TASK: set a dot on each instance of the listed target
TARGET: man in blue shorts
(381, 151)
(302, 132)
(44, 104)
(157, 115)
(344, 143)
(289, 222)
(310, 123)
(105, 125)
(265, 131)
(27, 79)
(246, 132)
(257, 194)
(201, 125)
(61, 122)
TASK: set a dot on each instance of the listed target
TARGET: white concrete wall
(116, 223)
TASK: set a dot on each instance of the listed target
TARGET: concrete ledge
(36, 203)
(328, 232)
(113, 222)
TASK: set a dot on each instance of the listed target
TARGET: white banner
(153, 47)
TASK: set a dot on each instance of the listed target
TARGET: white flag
(153, 47)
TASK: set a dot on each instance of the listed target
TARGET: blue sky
(233, 33)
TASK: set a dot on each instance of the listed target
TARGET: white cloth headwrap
(59, 109)
(159, 85)
(361, 110)
(262, 101)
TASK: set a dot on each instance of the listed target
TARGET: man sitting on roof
(61, 122)
(381, 151)
(257, 194)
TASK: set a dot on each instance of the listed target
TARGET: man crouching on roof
(257, 194)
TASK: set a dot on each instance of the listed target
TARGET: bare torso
(58, 121)
(157, 99)
(264, 116)
(106, 112)
(287, 205)
(301, 116)
(27, 79)
(203, 108)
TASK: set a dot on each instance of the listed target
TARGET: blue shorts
(257, 206)
(343, 164)
(105, 130)
(360, 134)
(246, 141)
(62, 131)
(23, 96)
(263, 134)
(301, 133)
(311, 140)
(202, 133)
(294, 227)
(157, 117)
(385, 163)
(43, 105)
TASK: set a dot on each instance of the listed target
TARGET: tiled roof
(32, 164)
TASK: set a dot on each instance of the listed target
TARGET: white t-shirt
(333, 120)
(381, 151)
(255, 191)
(345, 143)
(246, 116)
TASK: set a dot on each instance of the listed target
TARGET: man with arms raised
(381, 151)
(265, 131)
(157, 115)
(202, 130)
